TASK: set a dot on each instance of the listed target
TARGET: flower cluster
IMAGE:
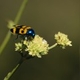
(62, 40)
(39, 46)
(18, 46)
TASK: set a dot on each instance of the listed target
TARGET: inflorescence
(39, 46)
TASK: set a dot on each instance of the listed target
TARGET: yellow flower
(37, 47)
(18, 46)
(62, 40)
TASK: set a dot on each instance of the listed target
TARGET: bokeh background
(47, 17)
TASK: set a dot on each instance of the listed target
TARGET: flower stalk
(9, 75)
(52, 46)
(22, 7)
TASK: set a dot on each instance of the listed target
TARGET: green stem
(5, 41)
(9, 75)
(20, 11)
(52, 46)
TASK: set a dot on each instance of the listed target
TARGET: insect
(23, 30)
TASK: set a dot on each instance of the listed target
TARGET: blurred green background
(46, 17)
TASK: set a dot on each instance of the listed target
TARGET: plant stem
(9, 75)
(52, 46)
(5, 41)
(20, 11)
